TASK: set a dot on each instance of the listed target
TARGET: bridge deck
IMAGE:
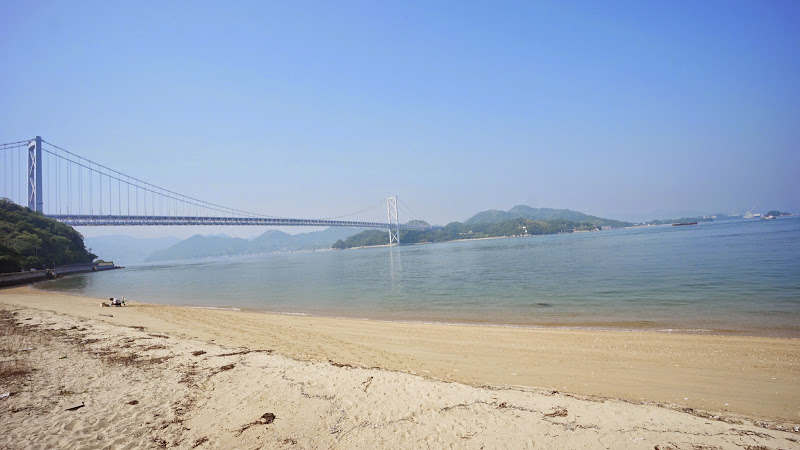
(108, 220)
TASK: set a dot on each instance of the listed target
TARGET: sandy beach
(148, 375)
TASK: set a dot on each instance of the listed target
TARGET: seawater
(740, 277)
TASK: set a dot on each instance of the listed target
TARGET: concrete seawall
(20, 278)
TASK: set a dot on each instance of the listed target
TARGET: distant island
(679, 220)
(775, 213)
(713, 217)
(271, 241)
(544, 215)
(518, 221)
(127, 249)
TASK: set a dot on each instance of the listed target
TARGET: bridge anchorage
(81, 192)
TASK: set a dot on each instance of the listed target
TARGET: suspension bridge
(79, 192)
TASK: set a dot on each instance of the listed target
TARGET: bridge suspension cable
(55, 185)
(360, 211)
(13, 184)
(408, 210)
(161, 202)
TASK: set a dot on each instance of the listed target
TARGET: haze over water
(723, 277)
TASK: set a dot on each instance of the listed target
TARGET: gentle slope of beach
(350, 383)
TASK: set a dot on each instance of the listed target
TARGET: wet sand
(723, 382)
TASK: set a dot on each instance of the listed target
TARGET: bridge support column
(394, 236)
(35, 202)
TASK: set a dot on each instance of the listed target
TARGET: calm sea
(740, 277)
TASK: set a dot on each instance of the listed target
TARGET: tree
(28, 239)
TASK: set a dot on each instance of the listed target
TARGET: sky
(627, 110)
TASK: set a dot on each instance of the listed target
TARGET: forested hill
(543, 214)
(30, 240)
(457, 230)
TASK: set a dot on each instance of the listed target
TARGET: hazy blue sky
(305, 109)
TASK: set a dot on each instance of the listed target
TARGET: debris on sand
(558, 412)
(265, 419)
(75, 406)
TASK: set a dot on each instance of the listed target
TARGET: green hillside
(543, 214)
(457, 230)
(30, 240)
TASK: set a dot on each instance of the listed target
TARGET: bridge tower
(394, 236)
(35, 202)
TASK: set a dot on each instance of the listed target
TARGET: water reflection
(395, 265)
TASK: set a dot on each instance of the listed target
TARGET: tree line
(457, 230)
(29, 240)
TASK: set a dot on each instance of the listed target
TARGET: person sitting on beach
(115, 301)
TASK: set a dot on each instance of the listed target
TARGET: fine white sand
(154, 383)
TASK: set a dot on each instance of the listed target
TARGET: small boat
(683, 224)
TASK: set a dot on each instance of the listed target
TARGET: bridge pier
(35, 202)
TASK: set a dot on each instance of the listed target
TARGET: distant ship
(751, 215)
(683, 224)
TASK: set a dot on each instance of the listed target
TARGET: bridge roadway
(109, 220)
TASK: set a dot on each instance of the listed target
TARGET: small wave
(686, 330)
(219, 308)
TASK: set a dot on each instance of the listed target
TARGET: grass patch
(132, 359)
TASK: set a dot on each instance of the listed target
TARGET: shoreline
(622, 325)
(753, 377)
(607, 326)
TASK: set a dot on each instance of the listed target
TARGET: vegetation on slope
(458, 230)
(679, 220)
(30, 240)
(776, 213)
(543, 214)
